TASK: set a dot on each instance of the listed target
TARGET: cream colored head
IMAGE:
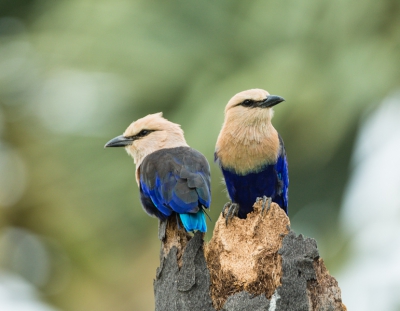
(248, 140)
(147, 135)
(235, 110)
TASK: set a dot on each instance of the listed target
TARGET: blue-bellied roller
(172, 177)
(251, 154)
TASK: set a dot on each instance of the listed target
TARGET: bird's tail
(193, 221)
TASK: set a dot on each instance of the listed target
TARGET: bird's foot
(231, 209)
(226, 207)
(265, 199)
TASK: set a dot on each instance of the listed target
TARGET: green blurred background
(74, 74)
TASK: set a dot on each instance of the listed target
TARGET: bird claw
(226, 206)
(265, 199)
(232, 210)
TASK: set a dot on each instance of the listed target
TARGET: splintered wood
(243, 255)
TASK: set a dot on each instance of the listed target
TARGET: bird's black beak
(119, 141)
(271, 101)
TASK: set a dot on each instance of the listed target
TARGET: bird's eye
(247, 103)
(143, 133)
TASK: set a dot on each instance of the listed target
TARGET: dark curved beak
(119, 141)
(271, 101)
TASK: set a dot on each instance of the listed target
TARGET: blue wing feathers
(176, 180)
(153, 205)
(149, 207)
(283, 177)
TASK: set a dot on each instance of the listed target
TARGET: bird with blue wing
(251, 154)
(172, 177)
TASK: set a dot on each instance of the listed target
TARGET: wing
(281, 168)
(176, 180)
(149, 206)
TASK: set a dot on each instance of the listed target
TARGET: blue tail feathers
(193, 222)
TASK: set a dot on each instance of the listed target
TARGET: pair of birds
(174, 178)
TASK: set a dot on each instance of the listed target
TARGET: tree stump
(256, 263)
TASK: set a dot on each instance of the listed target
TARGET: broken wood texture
(255, 264)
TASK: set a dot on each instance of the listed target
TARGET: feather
(176, 180)
(251, 153)
(271, 180)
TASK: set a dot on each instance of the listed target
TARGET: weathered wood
(254, 264)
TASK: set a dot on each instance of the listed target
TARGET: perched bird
(251, 154)
(172, 177)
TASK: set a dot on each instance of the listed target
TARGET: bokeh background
(74, 74)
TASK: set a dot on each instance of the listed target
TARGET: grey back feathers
(182, 177)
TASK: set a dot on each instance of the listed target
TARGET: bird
(251, 154)
(173, 178)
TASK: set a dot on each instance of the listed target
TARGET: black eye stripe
(247, 103)
(142, 133)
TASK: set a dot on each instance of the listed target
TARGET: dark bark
(187, 287)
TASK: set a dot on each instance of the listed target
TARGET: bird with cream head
(172, 177)
(251, 153)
